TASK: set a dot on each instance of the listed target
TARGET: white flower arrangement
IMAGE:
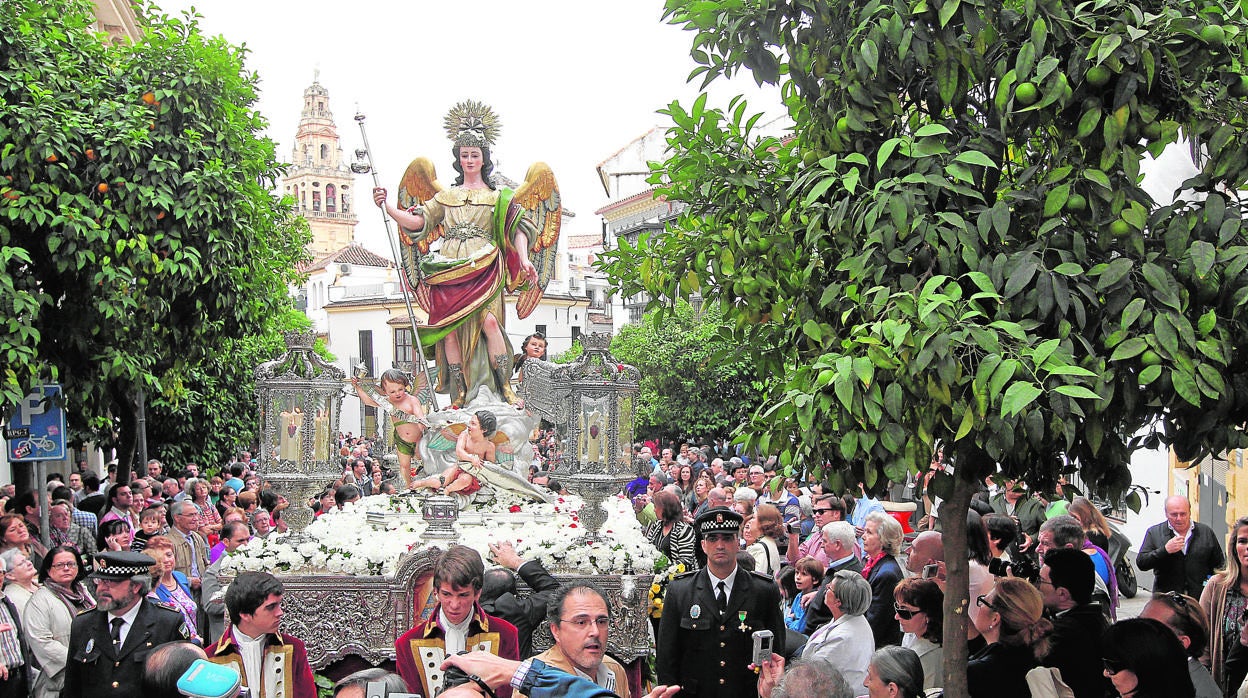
(344, 542)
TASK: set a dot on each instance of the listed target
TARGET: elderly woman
(20, 578)
(670, 534)
(170, 585)
(846, 641)
(1010, 618)
(1144, 659)
(207, 518)
(919, 607)
(50, 613)
(881, 541)
(894, 672)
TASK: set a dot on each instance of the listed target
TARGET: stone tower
(319, 179)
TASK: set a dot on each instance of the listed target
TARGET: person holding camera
(706, 635)
(1065, 531)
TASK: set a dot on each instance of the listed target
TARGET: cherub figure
(484, 455)
(473, 447)
(405, 412)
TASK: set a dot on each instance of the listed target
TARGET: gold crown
(472, 123)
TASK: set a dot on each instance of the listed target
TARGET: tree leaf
(1203, 256)
(1077, 391)
(1128, 349)
(1017, 397)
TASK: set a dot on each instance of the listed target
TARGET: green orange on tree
(1098, 76)
(1026, 93)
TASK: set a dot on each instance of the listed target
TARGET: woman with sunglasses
(918, 606)
(1183, 615)
(1225, 600)
(1144, 659)
(1010, 618)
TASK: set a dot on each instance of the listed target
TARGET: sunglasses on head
(905, 613)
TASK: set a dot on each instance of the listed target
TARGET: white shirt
(456, 633)
(728, 582)
(252, 651)
(127, 621)
(1187, 537)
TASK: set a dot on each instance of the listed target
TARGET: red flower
(514, 508)
(619, 367)
(572, 525)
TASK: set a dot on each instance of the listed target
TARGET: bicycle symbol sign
(36, 430)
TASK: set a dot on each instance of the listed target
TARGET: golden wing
(539, 197)
(420, 184)
(454, 429)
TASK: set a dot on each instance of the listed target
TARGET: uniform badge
(90, 645)
(695, 611)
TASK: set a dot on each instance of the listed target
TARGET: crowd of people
(843, 598)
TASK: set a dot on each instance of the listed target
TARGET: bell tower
(319, 179)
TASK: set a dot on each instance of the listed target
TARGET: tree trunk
(971, 464)
(127, 433)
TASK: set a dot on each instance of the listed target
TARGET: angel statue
(492, 240)
(480, 454)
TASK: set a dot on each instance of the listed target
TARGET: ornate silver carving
(440, 511)
(299, 396)
(590, 402)
(339, 615)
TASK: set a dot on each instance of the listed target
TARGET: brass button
(115, 685)
(721, 682)
(116, 663)
(722, 663)
(723, 644)
(721, 628)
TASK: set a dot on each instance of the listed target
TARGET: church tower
(319, 179)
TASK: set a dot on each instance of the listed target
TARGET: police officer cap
(118, 565)
(717, 520)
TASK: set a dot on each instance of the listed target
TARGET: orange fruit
(52, 158)
(90, 154)
(160, 216)
(149, 98)
(1026, 93)
(102, 187)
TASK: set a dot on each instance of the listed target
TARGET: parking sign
(37, 428)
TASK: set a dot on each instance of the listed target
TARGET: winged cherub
(492, 241)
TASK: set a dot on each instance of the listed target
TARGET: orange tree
(138, 231)
(954, 247)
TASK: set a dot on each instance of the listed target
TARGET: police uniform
(708, 653)
(94, 668)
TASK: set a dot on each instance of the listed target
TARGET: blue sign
(37, 429)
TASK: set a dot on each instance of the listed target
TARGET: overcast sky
(573, 80)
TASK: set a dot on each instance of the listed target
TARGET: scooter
(1119, 544)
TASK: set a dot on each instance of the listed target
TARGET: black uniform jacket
(708, 654)
(95, 670)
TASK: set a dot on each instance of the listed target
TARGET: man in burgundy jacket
(456, 623)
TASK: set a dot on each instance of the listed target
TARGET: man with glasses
(826, 509)
(107, 645)
(1065, 582)
(705, 641)
(579, 622)
(190, 549)
(234, 535)
(839, 541)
